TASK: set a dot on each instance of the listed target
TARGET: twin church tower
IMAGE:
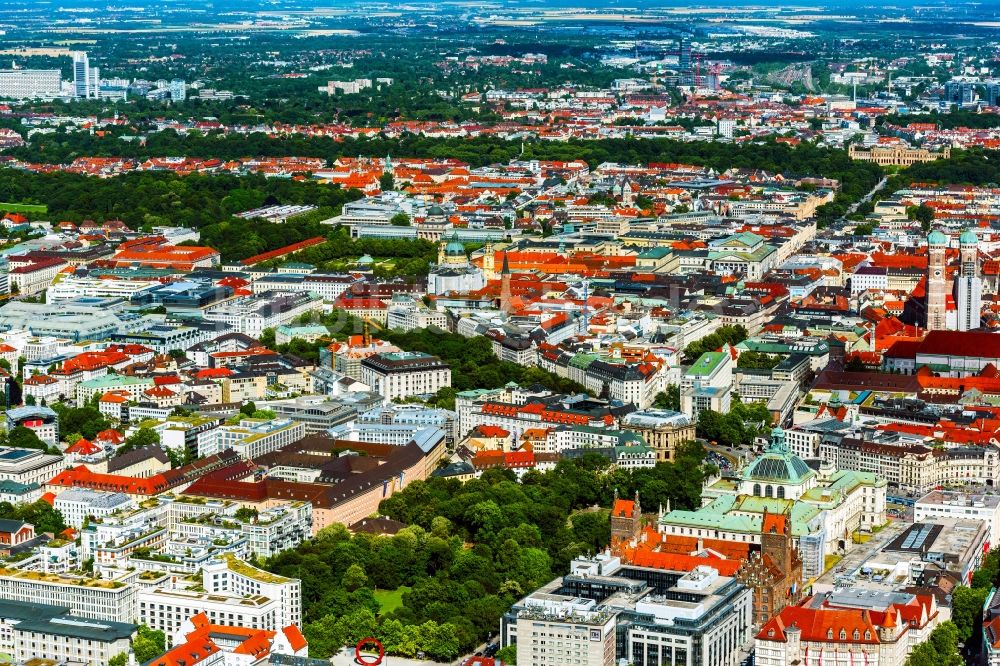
(967, 286)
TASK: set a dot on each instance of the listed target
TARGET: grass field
(390, 600)
(23, 208)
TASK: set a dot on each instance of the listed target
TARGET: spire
(505, 294)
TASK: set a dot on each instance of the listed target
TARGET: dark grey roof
(78, 627)
(136, 456)
(291, 660)
(10, 526)
(24, 610)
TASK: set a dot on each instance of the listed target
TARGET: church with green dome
(453, 273)
(825, 506)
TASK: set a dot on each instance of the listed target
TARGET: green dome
(366, 259)
(454, 248)
(778, 464)
(778, 468)
(937, 239)
(435, 211)
(968, 237)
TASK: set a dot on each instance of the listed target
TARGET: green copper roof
(778, 464)
(968, 237)
(937, 238)
(706, 364)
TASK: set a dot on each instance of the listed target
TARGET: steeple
(505, 295)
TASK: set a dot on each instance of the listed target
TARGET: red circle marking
(367, 660)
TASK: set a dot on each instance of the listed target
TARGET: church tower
(489, 262)
(776, 541)
(626, 519)
(936, 309)
(505, 295)
(968, 284)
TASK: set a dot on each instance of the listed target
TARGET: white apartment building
(804, 439)
(228, 575)
(163, 609)
(98, 599)
(40, 631)
(946, 505)
(28, 466)
(577, 637)
(79, 504)
(30, 83)
(914, 466)
(33, 277)
(272, 531)
(563, 438)
(707, 384)
(329, 287)
(72, 287)
(867, 278)
(250, 315)
(252, 437)
(406, 317)
(403, 374)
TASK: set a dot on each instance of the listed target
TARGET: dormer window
(857, 634)
(868, 635)
(843, 635)
(829, 634)
(770, 633)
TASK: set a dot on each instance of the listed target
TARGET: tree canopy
(469, 551)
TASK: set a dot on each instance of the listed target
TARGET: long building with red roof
(866, 629)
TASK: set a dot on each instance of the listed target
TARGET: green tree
(25, 438)
(940, 648)
(325, 637)
(592, 530)
(757, 360)
(669, 399)
(400, 220)
(142, 437)
(354, 578)
(86, 420)
(246, 514)
(925, 216)
(267, 338)
(148, 644)
(966, 609)
(119, 659)
(508, 654)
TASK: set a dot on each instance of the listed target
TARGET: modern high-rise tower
(684, 54)
(968, 284)
(937, 291)
(86, 79)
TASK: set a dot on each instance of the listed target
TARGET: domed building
(777, 472)
(453, 272)
(823, 506)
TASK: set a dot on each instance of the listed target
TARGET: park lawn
(390, 600)
(23, 208)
